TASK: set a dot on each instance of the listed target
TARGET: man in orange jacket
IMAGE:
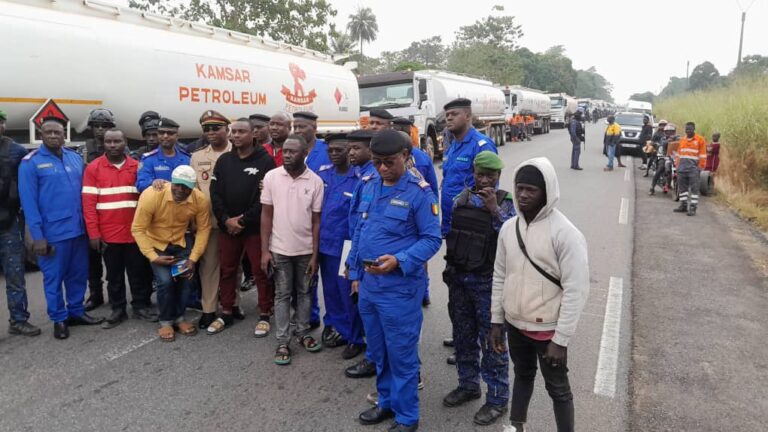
(691, 159)
(529, 126)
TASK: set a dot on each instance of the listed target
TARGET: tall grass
(739, 111)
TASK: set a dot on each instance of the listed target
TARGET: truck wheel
(429, 147)
(706, 183)
(500, 136)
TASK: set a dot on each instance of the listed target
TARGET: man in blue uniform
(457, 164)
(340, 181)
(157, 165)
(50, 185)
(478, 214)
(397, 234)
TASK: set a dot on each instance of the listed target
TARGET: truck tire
(706, 183)
(501, 137)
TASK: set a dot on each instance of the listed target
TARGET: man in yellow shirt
(159, 227)
(611, 141)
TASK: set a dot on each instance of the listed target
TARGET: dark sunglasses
(215, 128)
(389, 163)
(167, 132)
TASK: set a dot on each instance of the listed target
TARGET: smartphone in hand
(178, 269)
(371, 263)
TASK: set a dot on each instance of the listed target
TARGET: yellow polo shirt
(160, 221)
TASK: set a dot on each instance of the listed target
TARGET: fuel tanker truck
(420, 96)
(562, 107)
(527, 101)
(86, 54)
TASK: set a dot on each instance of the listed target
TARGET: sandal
(187, 328)
(166, 334)
(283, 355)
(262, 329)
(217, 326)
(310, 344)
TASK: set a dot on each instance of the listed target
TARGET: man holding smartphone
(159, 227)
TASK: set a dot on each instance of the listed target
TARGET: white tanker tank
(527, 101)
(562, 108)
(88, 54)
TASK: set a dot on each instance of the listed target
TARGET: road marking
(626, 175)
(624, 211)
(608, 359)
(117, 353)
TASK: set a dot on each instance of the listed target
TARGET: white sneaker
(511, 428)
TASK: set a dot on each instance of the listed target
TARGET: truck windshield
(556, 103)
(386, 96)
(629, 120)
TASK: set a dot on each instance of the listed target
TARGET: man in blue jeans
(11, 245)
(159, 227)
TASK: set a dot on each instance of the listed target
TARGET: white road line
(608, 359)
(624, 211)
(117, 353)
(627, 174)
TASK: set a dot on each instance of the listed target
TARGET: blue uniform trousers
(392, 321)
(11, 261)
(340, 310)
(469, 306)
(69, 266)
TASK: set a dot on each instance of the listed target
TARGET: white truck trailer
(562, 108)
(527, 101)
(87, 54)
(420, 96)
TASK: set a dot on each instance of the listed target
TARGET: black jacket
(10, 158)
(235, 188)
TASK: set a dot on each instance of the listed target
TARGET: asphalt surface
(700, 362)
(126, 379)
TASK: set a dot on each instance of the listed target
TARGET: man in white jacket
(539, 291)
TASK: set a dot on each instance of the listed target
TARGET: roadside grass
(739, 111)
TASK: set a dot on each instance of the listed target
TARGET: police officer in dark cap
(397, 234)
(148, 122)
(379, 120)
(157, 165)
(260, 125)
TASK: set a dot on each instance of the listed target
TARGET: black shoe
(60, 330)
(488, 414)
(682, 209)
(375, 415)
(451, 360)
(579, 169)
(146, 314)
(426, 302)
(397, 427)
(93, 302)
(352, 350)
(84, 319)
(331, 338)
(314, 325)
(692, 210)
(246, 285)
(114, 320)
(362, 369)
(459, 396)
(448, 342)
(237, 313)
(205, 320)
(23, 328)
(652, 192)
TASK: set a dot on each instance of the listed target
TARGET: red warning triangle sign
(49, 109)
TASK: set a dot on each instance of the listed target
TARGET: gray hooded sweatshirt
(521, 295)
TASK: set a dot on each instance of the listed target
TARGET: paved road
(125, 379)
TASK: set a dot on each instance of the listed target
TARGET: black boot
(459, 396)
(683, 207)
(23, 328)
(488, 414)
(115, 319)
(60, 330)
(692, 210)
(95, 300)
(84, 319)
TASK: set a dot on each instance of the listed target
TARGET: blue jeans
(68, 266)
(12, 263)
(172, 292)
(611, 154)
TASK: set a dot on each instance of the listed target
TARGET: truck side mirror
(423, 97)
(422, 88)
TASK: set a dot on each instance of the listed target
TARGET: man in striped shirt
(109, 203)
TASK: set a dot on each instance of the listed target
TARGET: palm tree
(362, 26)
(342, 43)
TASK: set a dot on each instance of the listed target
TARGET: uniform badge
(398, 203)
(435, 209)
(45, 165)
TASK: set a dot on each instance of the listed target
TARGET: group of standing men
(516, 268)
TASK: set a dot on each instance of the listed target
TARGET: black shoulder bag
(520, 243)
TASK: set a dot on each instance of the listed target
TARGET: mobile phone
(371, 263)
(178, 269)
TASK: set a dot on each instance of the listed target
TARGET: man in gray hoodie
(540, 286)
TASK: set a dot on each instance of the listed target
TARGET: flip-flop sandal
(166, 334)
(283, 355)
(262, 329)
(216, 327)
(310, 344)
(187, 329)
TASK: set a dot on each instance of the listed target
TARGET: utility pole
(741, 37)
(687, 76)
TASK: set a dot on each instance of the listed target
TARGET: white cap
(184, 175)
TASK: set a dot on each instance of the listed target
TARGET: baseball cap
(184, 175)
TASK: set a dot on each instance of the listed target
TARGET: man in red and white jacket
(109, 203)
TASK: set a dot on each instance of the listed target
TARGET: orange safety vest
(694, 148)
(415, 136)
(528, 119)
(518, 119)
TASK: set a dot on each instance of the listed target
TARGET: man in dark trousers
(576, 132)
(646, 133)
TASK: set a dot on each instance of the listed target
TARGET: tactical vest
(471, 242)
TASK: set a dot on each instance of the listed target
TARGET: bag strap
(543, 272)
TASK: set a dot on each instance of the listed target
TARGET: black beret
(150, 124)
(262, 117)
(362, 135)
(305, 115)
(148, 116)
(167, 123)
(389, 142)
(458, 103)
(335, 137)
(402, 121)
(382, 114)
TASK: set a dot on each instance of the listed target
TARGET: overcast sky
(637, 48)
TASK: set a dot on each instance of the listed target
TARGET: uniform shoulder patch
(366, 177)
(424, 185)
(325, 167)
(482, 142)
(30, 155)
(149, 153)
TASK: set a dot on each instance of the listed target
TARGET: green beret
(489, 160)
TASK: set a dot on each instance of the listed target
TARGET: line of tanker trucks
(86, 54)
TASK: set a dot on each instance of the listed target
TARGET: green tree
(492, 62)
(643, 97)
(550, 71)
(275, 19)
(590, 84)
(343, 43)
(704, 76)
(674, 87)
(431, 52)
(362, 26)
(409, 65)
(499, 31)
(752, 65)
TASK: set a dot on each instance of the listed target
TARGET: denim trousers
(291, 276)
(12, 263)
